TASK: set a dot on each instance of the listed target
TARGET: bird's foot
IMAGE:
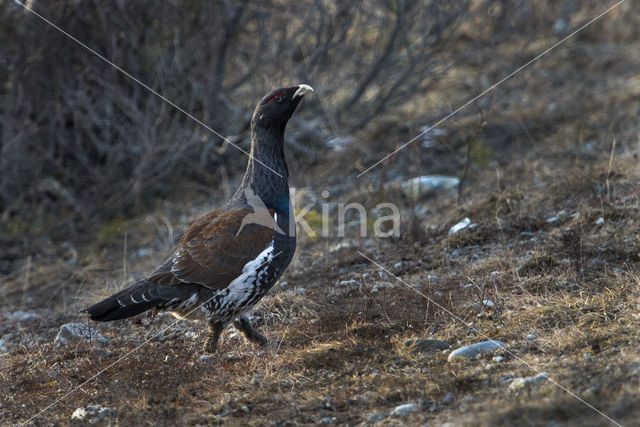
(244, 324)
(210, 345)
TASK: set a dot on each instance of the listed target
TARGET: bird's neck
(267, 174)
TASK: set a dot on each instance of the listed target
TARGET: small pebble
(284, 284)
(531, 337)
(448, 399)
(473, 350)
(376, 417)
(92, 414)
(404, 410)
(498, 359)
(72, 333)
(522, 383)
(600, 221)
(460, 226)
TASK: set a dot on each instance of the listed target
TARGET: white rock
(487, 303)
(471, 351)
(21, 316)
(79, 414)
(426, 185)
(498, 359)
(351, 282)
(339, 143)
(521, 383)
(380, 286)
(404, 410)
(460, 226)
(92, 414)
(531, 337)
(71, 333)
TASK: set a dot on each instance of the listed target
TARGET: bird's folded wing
(212, 252)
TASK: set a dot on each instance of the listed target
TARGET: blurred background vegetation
(83, 145)
(99, 177)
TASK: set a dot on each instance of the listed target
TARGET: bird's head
(277, 107)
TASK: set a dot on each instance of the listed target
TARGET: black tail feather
(137, 298)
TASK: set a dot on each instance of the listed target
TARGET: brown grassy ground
(572, 282)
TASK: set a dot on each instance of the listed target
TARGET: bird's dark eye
(278, 97)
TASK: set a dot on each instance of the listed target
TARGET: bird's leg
(215, 329)
(243, 324)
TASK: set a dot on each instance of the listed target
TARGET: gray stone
(427, 185)
(380, 286)
(426, 345)
(448, 399)
(92, 414)
(473, 350)
(21, 316)
(460, 226)
(519, 384)
(72, 333)
(404, 410)
(339, 143)
(5, 345)
(376, 417)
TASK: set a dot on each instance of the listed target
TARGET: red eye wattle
(278, 97)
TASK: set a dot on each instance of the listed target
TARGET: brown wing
(211, 254)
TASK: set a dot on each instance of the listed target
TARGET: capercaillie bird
(229, 258)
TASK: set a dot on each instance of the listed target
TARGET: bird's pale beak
(302, 89)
